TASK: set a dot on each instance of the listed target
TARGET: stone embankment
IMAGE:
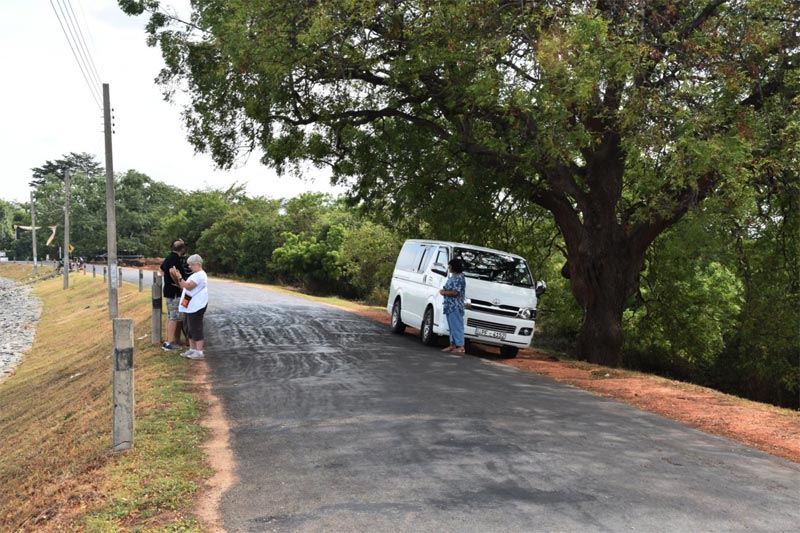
(19, 313)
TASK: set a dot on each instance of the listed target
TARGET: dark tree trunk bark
(602, 282)
(604, 258)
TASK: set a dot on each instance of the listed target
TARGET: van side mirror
(438, 269)
(540, 287)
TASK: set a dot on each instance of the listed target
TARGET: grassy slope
(56, 468)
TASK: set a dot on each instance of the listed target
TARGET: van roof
(463, 245)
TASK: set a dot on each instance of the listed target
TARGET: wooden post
(157, 305)
(104, 273)
(123, 384)
(141, 280)
(94, 271)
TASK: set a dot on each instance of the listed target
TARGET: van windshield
(490, 266)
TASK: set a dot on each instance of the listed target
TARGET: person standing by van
(453, 293)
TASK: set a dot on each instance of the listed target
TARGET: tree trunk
(600, 338)
(602, 282)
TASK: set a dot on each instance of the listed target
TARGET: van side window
(442, 257)
(423, 258)
(405, 261)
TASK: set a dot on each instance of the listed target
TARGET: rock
(19, 312)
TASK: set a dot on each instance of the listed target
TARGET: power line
(75, 40)
(77, 26)
(87, 26)
(78, 61)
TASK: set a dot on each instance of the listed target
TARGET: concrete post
(123, 384)
(111, 212)
(33, 236)
(66, 228)
(157, 305)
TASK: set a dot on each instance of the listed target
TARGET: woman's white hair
(195, 259)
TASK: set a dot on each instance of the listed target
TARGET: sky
(48, 109)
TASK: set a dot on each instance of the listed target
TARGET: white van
(500, 298)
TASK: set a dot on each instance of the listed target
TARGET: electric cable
(77, 27)
(74, 34)
(75, 55)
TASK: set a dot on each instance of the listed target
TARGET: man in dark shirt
(172, 294)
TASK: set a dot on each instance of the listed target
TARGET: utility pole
(111, 212)
(33, 236)
(66, 228)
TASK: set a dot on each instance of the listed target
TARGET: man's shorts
(172, 309)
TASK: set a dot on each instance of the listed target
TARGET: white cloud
(48, 110)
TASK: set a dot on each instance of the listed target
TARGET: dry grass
(57, 471)
(24, 272)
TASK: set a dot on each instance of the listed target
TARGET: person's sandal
(448, 349)
(458, 350)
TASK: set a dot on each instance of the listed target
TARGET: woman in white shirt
(193, 303)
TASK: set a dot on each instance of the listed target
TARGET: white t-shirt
(199, 294)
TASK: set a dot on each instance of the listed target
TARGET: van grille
(489, 307)
(494, 326)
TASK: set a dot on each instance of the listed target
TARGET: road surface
(337, 425)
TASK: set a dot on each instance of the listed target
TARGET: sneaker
(196, 356)
(187, 353)
(166, 346)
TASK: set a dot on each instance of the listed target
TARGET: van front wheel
(508, 352)
(397, 323)
(426, 331)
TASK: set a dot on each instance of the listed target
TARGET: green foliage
(688, 316)
(240, 242)
(368, 256)
(7, 210)
(316, 262)
(76, 163)
(197, 211)
(617, 118)
(142, 203)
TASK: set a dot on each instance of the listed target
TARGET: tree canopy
(617, 116)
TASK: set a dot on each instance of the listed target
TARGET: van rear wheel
(508, 352)
(426, 330)
(397, 323)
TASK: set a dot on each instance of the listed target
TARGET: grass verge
(57, 471)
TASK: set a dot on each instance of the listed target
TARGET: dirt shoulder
(761, 426)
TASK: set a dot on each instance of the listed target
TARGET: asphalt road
(338, 425)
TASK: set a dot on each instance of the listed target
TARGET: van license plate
(489, 333)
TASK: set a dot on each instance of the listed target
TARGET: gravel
(19, 313)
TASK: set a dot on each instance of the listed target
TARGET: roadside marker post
(141, 280)
(157, 305)
(123, 384)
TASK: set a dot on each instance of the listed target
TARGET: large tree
(76, 163)
(617, 116)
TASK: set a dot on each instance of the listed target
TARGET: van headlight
(526, 313)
